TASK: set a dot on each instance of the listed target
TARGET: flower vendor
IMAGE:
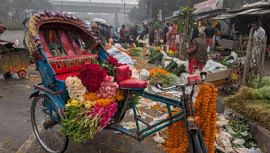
(197, 53)
(171, 38)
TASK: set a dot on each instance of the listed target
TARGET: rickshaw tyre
(22, 74)
(196, 143)
(35, 100)
(7, 75)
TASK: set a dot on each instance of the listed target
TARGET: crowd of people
(198, 44)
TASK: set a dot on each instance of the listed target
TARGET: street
(16, 134)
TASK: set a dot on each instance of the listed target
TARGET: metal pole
(125, 11)
(150, 9)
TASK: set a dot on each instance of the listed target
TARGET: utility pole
(150, 9)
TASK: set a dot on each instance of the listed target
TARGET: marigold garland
(157, 70)
(205, 106)
(104, 102)
(119, 95)
(90, 96)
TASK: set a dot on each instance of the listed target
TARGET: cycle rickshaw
(50, 96)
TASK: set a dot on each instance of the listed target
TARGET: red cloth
(193, 65)
(209, 42)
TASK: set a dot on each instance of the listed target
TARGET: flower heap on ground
(93, 101)
(161, 76)
(205, 107)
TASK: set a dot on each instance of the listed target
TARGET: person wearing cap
(194, 32)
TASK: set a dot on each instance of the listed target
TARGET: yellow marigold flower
(157, 70)
(73, 102)
(89, 104)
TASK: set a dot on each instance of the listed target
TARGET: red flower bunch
(91, 76)
(113, 61)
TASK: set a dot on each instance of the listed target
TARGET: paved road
(15, 125)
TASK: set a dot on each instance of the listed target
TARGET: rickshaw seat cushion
(63, 77)
(122, 73)
(133, 84)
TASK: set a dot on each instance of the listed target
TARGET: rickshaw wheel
(45, 120)
(22, 74)
(7, 76)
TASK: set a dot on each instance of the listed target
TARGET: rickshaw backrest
(67, 45)
(44, 45)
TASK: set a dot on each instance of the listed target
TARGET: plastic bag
(144, 75)
(212, 66)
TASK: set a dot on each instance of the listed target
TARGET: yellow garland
(205, 106)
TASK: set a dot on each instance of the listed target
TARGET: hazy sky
(104, 1)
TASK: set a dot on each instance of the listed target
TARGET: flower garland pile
(161, 76)
(205, 107)
(92, 104)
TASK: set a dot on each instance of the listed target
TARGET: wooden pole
(262, 59)
(248, 56)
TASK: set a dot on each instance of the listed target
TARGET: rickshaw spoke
(51, 139)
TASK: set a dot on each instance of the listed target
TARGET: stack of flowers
(157, 70)
(161, 76)
(92, 104)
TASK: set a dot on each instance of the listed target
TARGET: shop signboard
(209, 5)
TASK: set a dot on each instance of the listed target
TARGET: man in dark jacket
(194, 32)
(210, 32)
(165, 31)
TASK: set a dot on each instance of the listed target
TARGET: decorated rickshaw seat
(65, 66)
(123, 78)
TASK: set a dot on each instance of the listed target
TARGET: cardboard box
(212, 77)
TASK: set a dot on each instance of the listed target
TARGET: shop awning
(224, 16)
(248, 11)
(260, 12)
(203, 17)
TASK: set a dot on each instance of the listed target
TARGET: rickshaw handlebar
(159, 86)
